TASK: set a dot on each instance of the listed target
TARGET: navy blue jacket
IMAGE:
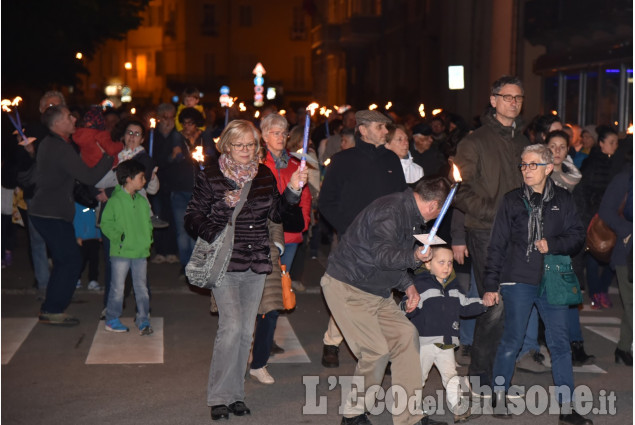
(622, 224)
(506, 256)
(437, 315)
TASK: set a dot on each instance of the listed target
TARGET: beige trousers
(377, 332)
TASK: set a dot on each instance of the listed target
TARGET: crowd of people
(98, 179)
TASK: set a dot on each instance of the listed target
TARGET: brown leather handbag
(600, 239)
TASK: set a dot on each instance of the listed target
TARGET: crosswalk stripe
(588, 320)
(590, 368)
(14, 333)
(611, 333)
(287, 339)
(128, 347)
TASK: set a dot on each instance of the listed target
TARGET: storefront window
(572, 97)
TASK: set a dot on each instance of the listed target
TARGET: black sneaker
(573, 418)
(58, 319)
(355, 420)
(330, 356)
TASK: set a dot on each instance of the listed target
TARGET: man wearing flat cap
(355, 178)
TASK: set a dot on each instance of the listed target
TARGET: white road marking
(14, 333)
(128, 347)
(588, 320)
(611, 333)
(286, 338)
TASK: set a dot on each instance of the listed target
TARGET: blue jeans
(183, 240)
(107, 268)
(519, 300)
(286, 259)
(237, 299)
(466, 328)
(598, 282)
(120, 267)
(39, 255)
(575, 333)
(59, 236)
(531, 335)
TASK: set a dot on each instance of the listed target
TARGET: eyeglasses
(241, 147)
(532, 165)
(133, 133)
(508, 97)
(279, 133)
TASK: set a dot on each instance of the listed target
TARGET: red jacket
(87, 139)
(283, 176)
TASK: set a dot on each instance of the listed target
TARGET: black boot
(622, 356)
(578, 356)
(573, 418)
(330, 356)
(499, 404)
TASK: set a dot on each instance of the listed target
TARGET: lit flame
(198, 154)
(372, 107)
(282, 112)
(312, 107)
(437, 111)
(5, 105)
(554, 112)
(216, 140)
(616, 123)
(257, 114)
(421, 111)
(456, 174)
(388, 105)
(327, 162)
(322, 110)
(242, 107)
(133, 111)
(230, 102)
(299, 150)
(16, 101)
(629, 130)
(153, 123)
(327, 113)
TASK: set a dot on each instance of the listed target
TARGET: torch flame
(282, 112)
(372, 107)
(421, 111)
(388, 105)
(242, 107)
(456, 174)
(16, 101)
(312, 107)
(230, 102)
(198, 154)
(436, 111)
(256, 114)
(629, 130)
(216, 139)
(327, 162)
(327, 113)
(5, 105)
(299, 150)
(153, 122)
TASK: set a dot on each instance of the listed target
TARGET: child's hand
(413, 298)
(79, 241)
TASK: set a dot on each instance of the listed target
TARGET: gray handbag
(209, 261)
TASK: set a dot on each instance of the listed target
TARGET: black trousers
(488, 329)
(90, 256)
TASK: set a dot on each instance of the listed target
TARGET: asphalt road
(49, 379)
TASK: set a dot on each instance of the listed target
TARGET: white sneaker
(93, 285)
(262, 375)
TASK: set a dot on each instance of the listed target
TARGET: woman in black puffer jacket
(597, 171)
(216, 192)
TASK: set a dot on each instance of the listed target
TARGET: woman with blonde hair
(216, 193)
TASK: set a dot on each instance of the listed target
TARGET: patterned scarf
(534, 207)
(127, 154)
(239, 174)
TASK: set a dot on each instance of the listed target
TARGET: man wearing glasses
(488, 160)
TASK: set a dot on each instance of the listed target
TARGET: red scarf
(238, 173)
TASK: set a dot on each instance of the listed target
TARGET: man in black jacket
(354, 179)
(373, 258)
